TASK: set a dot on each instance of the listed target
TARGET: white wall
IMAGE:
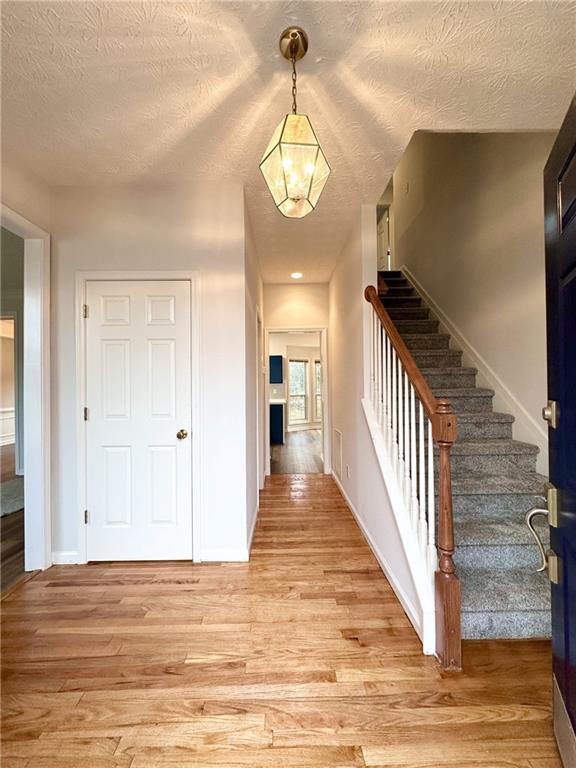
(279, 342)
(155, 229)
(361, 478)
(469, 225)
(255, 382)
(25, 194)
(296, 306)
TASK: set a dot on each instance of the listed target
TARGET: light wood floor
(300, 658)
(11, 548)
(300, 454)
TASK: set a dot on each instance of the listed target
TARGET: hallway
(301, 657)
(301, 454)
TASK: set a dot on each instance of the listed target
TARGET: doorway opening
(11, 473)
(11, 409)
(296, 402)
(27, 299)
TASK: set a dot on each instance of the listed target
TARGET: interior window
(298, 391)
(317, 390)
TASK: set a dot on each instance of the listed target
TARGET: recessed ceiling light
(296, 275)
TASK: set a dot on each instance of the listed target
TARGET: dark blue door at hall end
(560, 223)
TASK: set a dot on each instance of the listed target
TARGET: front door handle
(530, 515)
(551, 413)
(181, 434)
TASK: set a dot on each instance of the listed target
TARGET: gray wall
(469, 225)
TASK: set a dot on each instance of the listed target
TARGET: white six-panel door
(138, 395)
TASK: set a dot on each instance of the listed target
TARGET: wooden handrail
(444, 432)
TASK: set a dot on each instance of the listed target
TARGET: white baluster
(380, 384)
(394, 406)
(389, 384)
(413, 469)
(400, 422)
(423, 527)
(432, 554)
(372, 362)
(383, 382)
(407, 451)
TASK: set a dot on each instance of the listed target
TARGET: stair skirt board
(414, 614)
(494, 479)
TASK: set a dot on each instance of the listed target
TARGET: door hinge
(554, 567)
(85, 311)
(86, 413)
(85, 517)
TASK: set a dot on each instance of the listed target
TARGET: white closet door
(138, 395)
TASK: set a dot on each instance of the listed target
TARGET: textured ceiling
(106, 93)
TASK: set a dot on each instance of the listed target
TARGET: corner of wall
(26, 194)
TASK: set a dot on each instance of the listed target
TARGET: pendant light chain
(294, 86)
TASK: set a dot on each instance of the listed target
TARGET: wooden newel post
(447, 584)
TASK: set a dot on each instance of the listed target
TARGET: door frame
(326, 443)
(260, 401)
(36, 405)
(121, 275)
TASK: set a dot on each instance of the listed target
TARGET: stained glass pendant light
(294, 165)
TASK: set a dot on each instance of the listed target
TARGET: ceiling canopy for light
(294, 165)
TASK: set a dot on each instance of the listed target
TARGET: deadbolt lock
(551, 413)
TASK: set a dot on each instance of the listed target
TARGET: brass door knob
(181, 434)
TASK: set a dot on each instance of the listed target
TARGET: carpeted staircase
(494, 483)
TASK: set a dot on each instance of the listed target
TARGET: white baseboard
(529, 428)
(405, 602)
(7, 439)
(225, 555)
(65, 558)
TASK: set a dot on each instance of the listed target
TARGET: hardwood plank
(301, 657)
(300, 454)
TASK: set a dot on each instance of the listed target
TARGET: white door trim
(82, 278)
(326, 444)
(36, 406)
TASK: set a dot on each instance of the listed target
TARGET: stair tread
(438, 352)
(449, 371)
(495, 530)
(493, 447)
(494, 416)
(491, 589)
(488, 483)
(433, 335)
(462, 392)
